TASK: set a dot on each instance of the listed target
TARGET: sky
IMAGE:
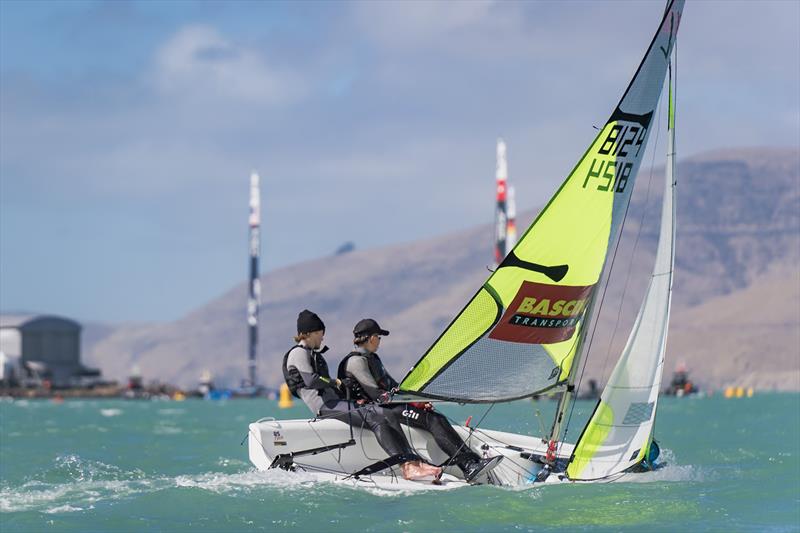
(128, 130)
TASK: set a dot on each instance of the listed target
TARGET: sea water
(115, 465)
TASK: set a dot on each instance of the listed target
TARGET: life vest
(376, 368)
(349, 383)
(292, 376)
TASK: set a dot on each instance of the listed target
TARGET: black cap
(308, 322)
(367, 326)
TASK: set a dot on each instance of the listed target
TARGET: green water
(178, 466)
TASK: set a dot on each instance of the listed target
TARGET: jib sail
(619, 431)
(519, 333)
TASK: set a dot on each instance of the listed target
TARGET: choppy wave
(672, 471)
(66, 509)
(74, 484)
(171, 411)
(49, 497)
(163, 429)
(221, 483)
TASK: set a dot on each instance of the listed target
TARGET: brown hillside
(737, 252)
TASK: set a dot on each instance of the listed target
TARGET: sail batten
(521, 333)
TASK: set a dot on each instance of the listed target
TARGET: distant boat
(681, 384)
(527, 330)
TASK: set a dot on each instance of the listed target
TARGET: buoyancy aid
(292, 376)
(376, 368)
(349, 383)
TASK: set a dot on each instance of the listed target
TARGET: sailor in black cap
(306, 373)
(363, 373)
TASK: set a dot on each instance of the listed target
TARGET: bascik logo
(542, 314)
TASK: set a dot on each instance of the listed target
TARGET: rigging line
(491, 439)
(409, 437)
(364, 451)
(316, 468)
(635, 245)
(326, 444)
(258, 440)
(487, 439)
(472, 430)
(361, 439)
(360, 434)
(602, 301)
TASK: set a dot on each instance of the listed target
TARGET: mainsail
(520, 332)
(620, 430)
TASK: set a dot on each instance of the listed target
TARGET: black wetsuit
(368, 379)
(307, 376)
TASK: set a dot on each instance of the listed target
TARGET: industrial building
(39, 348)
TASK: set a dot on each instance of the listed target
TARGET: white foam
(167, 430)
(63, 509)
(222, 483)
(669, 473)
(86, 483)
(672, 471)
(35, 495)
(171, 411)
(110, 412)
(225, 461)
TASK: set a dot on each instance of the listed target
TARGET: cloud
(418, 24)
(378, 110)
(198, 63)
(181, 122)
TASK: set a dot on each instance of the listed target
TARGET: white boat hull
(268, 438)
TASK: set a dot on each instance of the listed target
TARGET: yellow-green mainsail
(521, 331)
(490, 352)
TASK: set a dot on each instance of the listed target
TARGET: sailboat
(527, 330)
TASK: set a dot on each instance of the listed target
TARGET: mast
(519, 334)
(501, 217)
(619, 434)
(511, 209)
(254, 295)
(569, 387)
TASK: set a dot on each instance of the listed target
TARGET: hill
(736, 317)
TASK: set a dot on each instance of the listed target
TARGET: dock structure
(39, 349)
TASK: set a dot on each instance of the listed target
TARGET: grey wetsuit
(367, 369)
(321, 396)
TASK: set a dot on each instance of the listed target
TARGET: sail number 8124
(620, 143)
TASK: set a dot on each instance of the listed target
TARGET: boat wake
(73, 484)
(672, 471)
